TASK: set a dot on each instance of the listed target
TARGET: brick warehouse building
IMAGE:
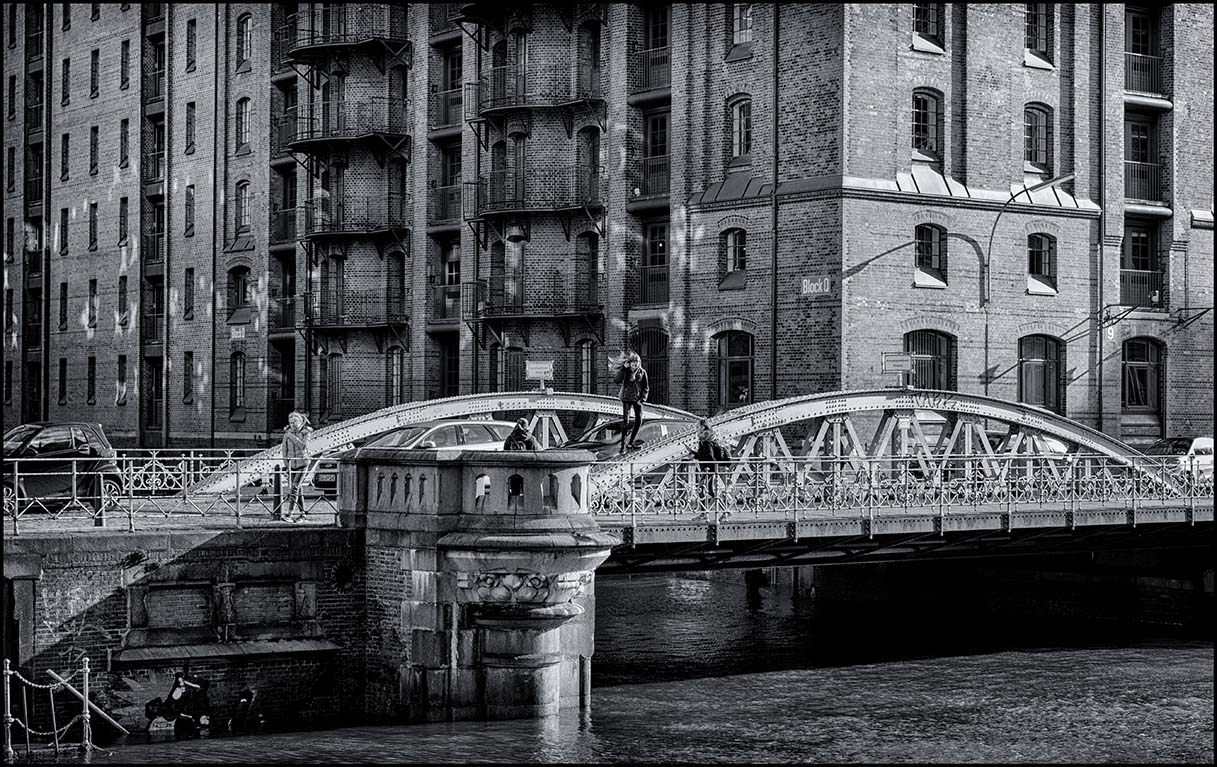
(215, 214)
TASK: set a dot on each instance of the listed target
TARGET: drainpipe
(216, 186)
(773, 282)
(1102, 10)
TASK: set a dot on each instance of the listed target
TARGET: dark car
(605, 439)
(47, 476)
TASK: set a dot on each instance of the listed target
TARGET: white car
(1194, 454)
(447, 436)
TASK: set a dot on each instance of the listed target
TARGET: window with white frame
(741, 23)
(1038, 28)
(927, 124)
(740, 110)
(242, 123)
(930, 243)
(1037, 138)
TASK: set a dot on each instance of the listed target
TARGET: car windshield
(1173, 446)
(17, 435)
(606, 432)
(399, 438)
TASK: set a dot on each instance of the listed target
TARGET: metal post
(238, 469)
(130, 498)
(10, 756)
(87, 742)
(16, 497)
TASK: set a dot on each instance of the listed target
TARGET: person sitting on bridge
(635, 386)
(295, 459)
(521, 438)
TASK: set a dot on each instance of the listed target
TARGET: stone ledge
(143, 656)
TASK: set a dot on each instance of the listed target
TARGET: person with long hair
(627, 370)
(295, 458)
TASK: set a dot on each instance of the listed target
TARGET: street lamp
(1028, 190)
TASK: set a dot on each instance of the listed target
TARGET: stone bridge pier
(480, 581)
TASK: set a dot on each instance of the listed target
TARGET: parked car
(49, 479)
(445, 435)
(1194, 454)
(605, 439)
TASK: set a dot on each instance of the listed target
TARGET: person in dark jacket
(635, 386)
(710, 453)
(521, 438)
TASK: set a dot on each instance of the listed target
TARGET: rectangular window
(121, 378)
(92, 226)
(67, 15)
(123, 142)
(12, 31)
(64, 160)
(1038, 30)
(12, 96)
(63, 380)
(122, 221)
(92, 303)
(63, 306)
(8, 380)
(927, 21)
(11, 181)
(741, 18)
(190, 45)
(188, 295)
(94, 73)
(95, 12)
(654, 275)
(94, 140)
(63, 230)
(92, 391)
(189, 213)
(124, 66)
(10, 240)
(122, 300)
(190, 127)
(188, 377)
(65, 86)
(8, 309)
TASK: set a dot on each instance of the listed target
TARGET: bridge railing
(795, 486)
(153, 488)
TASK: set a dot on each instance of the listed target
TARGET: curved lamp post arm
(989, 250)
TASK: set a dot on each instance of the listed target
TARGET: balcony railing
(33, 118)
(1143, 181)
(540, 189)
(444, 16)
(281, 312)
(355, 213)
(33, 188)
(151, 328)
(653, 281)
(283, 41)
(510, 86)
(152, 416)
(343, 24)
(445, 302)
(1144, 288)
(33, 336)
(547, 294)
(153, 12)
(33, 46)
(655, 176)
(154, 247)
(446, 108)
(353, 309)
(282, 130)
(154, 166)
(154, 86)
(654, 68)
(446, 203)
(33, 263)
(1142, 73)
(283, 224)
(348, 119)
(587, 84)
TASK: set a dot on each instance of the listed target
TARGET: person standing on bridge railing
(635, 386)
(295, 458)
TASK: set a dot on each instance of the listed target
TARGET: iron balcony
(1143, 288)
(550, 189)
(518, 294)
(349, 309)
(343, 25)
(355, 214)
(345, 120)
(512, 87)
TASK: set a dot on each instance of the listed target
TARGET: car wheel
(111, 492)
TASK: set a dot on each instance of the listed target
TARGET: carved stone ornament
(521, 587)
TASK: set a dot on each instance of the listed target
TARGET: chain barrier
(56, 732)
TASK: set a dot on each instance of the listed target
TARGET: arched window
(241, 207)
(238, 289)
(735, 244)
(931, 250)
(733, 363)
(741, 23)
(1037, 137)
(395, 362)
(740, 112)
(927, 124)
(1039, 372)
(1041, 258)
(242, 123)
(586, 378)
(1143, 376)
(651, 343)
(933, 359)
(236, 382)
(245, 38)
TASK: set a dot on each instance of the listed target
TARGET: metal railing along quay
(654, 68)
(1142, 181)
(348, 118)
(355, 213)
(1142, 73)
(150, 489)
(1143, 288)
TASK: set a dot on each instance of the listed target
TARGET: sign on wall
(818, 286)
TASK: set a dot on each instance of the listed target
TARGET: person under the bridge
(521, 438)
(627, 370)
(295, 459)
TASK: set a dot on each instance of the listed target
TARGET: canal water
(696, 670)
